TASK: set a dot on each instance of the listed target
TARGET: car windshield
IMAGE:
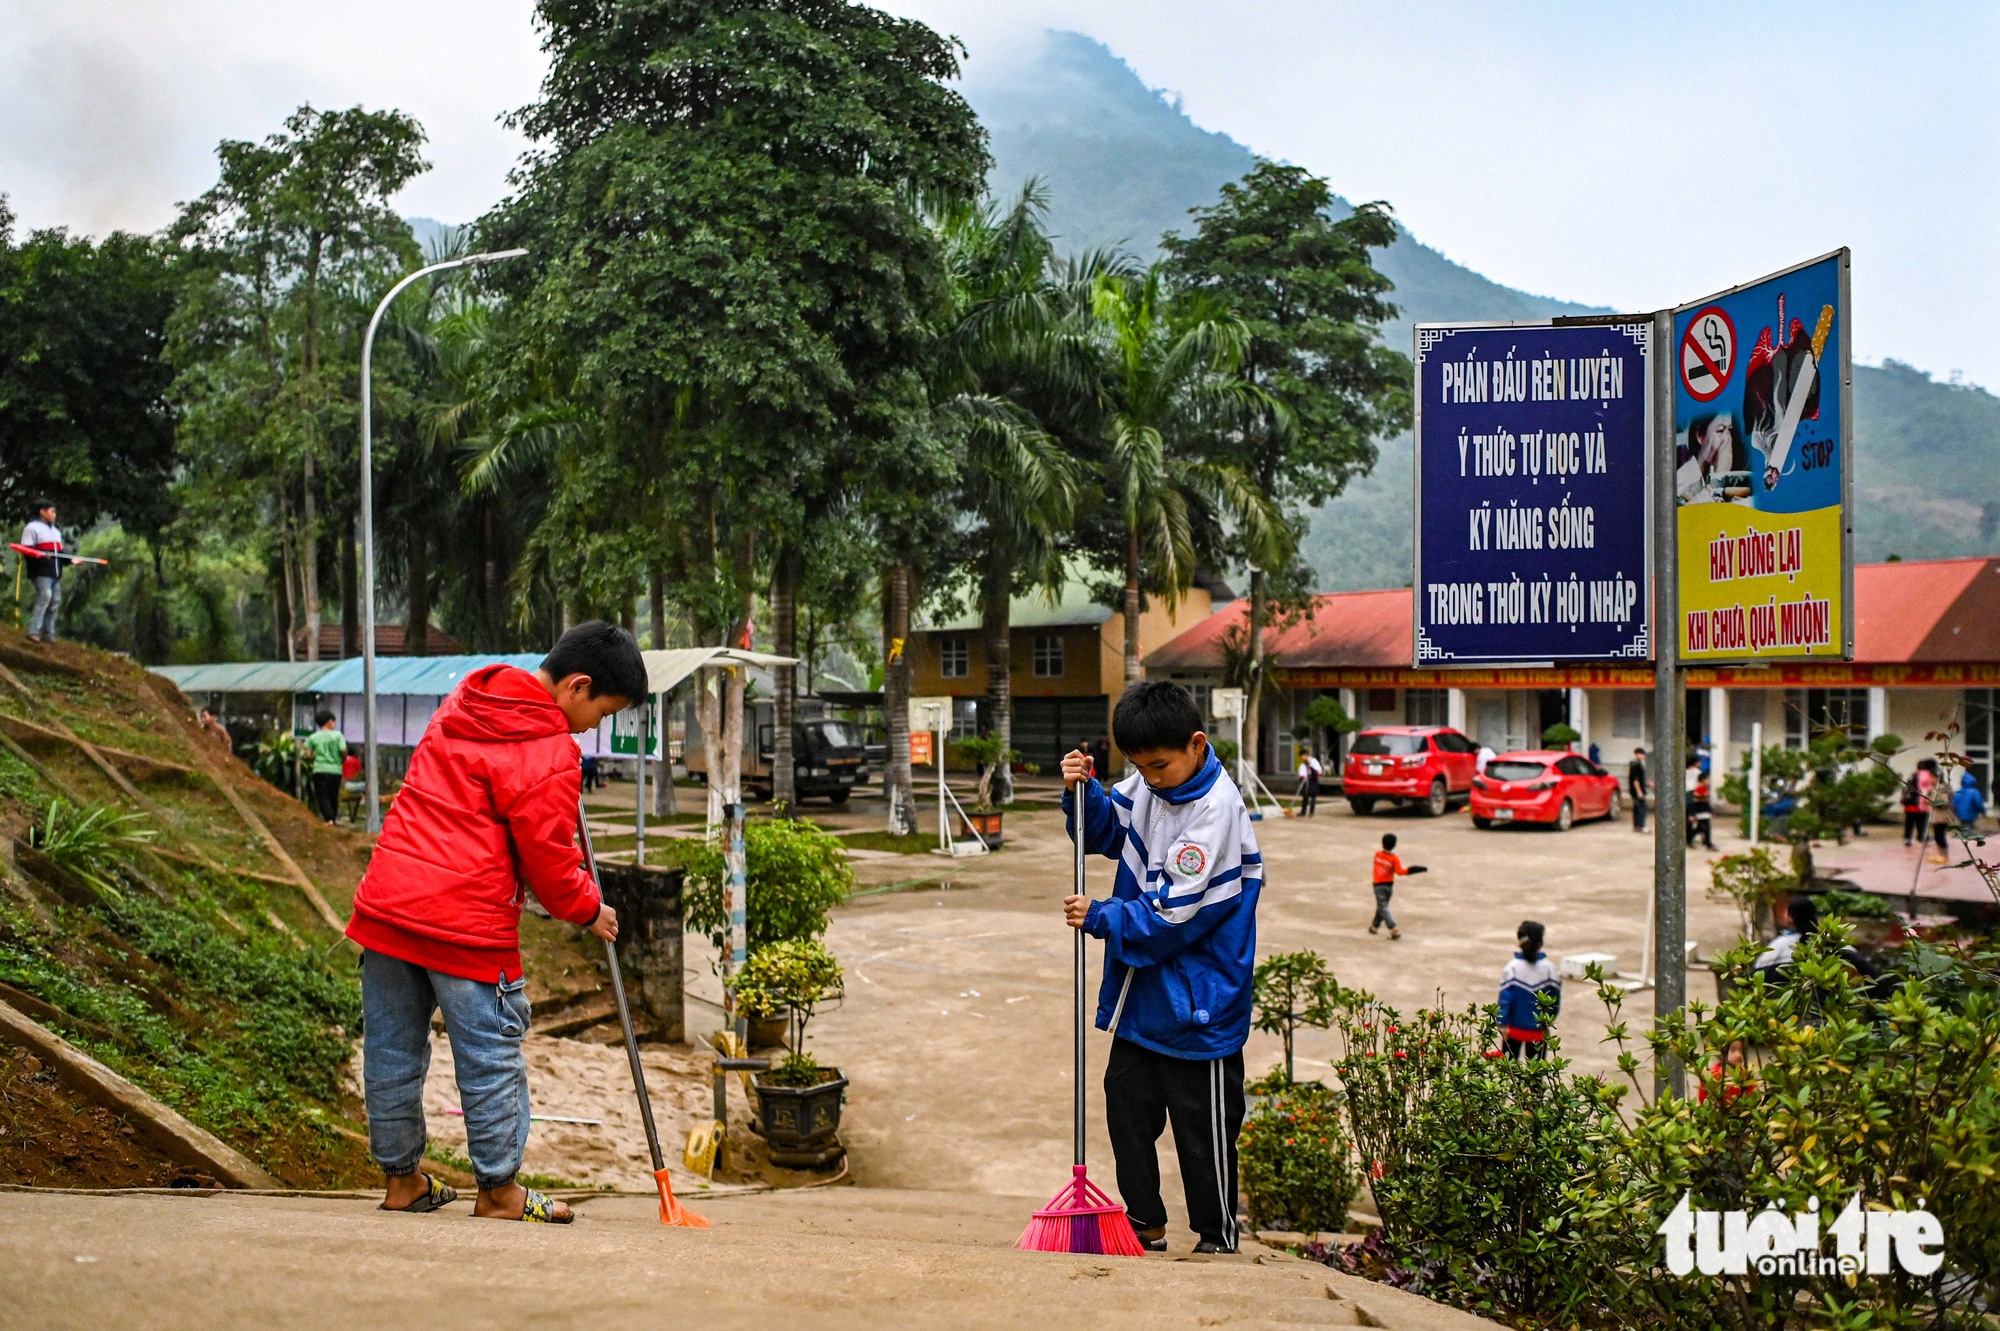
(1386, 746)
(1514, 771)
(835, 735)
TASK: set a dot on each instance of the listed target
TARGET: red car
(1543, 786)
(1424, 765)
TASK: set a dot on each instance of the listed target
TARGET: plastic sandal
(436, 1195)
(541, 1207)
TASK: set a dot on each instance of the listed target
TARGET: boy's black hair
(321, 719)
(1155, 714)
(606, 653)
(1388, 841)
(1530, 936)
(41, 504)
(1804, 913)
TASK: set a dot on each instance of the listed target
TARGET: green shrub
(792, 977)
(1817, 1087)
(1291, 990)
(796, 874)
(1295, 1161)
(92, 843)
(1854, 905)
(1469, 1154)
(1560, 734)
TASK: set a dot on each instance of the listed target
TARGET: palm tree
(1017, 484)
(1168, 363)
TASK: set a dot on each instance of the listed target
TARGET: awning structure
(247, 676)
(667, 668)
(428, 676)
(418, 676)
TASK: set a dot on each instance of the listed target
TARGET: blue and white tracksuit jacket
(1180, 929)
(1522, 984)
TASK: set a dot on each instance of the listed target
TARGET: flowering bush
(1468, 1154)
(1295, 1162)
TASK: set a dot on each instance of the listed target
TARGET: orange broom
(671, 1211)
(1081, 1218)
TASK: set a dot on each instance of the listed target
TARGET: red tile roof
(1927, 610)
(1934, 610)
(388, 642)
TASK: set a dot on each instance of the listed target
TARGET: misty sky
(1621, 154)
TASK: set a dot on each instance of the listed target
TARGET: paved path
(835, 1258)
(957, 1023)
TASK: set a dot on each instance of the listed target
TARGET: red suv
(1425, 765)
(1543, 786)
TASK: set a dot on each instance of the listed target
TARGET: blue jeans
(485, 1022)
(1383, 891)
(48, 600)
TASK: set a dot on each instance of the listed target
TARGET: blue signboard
(1532, 536)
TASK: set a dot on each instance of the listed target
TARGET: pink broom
(1081, 1218)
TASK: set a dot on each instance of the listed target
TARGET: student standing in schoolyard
(1180, 942)
(1309, 774)
(487, 813)
(1639, 788)
(1384, 871)
(1523, 981)
(44, 571)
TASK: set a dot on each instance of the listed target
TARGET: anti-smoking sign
(1532, 536)
(1762, 448)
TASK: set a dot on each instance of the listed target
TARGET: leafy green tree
(1291, 990)
(723, 212)
(997, 367)
(1819, 792)
(1309, 302)
(284, 253)
(84, 415)
(1168, 378)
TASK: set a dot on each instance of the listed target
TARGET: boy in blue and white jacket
(1180, 943)
(1522, 983)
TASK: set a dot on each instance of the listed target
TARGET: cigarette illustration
(1795, 405)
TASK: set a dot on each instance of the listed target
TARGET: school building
(1927, 654)
(1068, 663)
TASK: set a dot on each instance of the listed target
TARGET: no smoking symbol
(1708, 353)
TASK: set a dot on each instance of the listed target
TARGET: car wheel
(1565, 816)
(1611, 809)
(1362, 805)
(839, 796)
(1481, 821)
(1439, 800)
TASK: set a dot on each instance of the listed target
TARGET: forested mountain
(1123, 164)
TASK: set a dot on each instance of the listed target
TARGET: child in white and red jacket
(488, 810)
(1528, 976)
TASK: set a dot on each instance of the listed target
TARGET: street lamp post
(369, 759)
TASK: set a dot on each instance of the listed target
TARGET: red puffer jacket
(489, 806)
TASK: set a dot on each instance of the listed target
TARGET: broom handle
(624, 1008)
(1076, 804)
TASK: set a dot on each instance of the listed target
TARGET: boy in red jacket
(488, 809)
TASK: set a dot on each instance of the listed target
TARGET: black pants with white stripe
(1143, 1090)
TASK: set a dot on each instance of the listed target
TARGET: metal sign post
(1669, 722)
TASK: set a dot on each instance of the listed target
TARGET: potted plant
(984, 819)
(796, 874)
(798, 1101)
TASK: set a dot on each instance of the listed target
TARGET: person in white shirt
(45, 570)
(1486, 755)
(1309, 774)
